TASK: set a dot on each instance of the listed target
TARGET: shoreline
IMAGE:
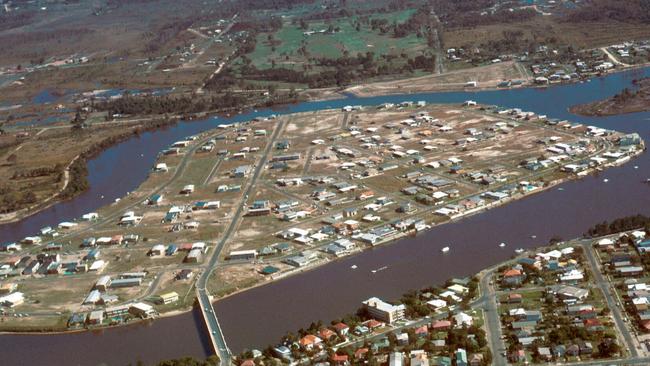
(321, 95)
(388, 241)
(625, 102)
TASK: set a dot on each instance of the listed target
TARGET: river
(262, 315)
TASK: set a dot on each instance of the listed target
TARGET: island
(244, 204)
(627, 101)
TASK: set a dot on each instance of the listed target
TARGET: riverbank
(412, 85)
(627, 101)
(75, 173)
(537, 181)
(335, 289)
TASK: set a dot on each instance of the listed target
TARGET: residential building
(384, 311)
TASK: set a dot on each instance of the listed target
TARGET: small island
(627, 101)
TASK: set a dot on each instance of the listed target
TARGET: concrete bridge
(217, 340)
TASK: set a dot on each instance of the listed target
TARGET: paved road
(492, 320)
(604, 286)
(216, 334)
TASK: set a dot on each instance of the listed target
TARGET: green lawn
(291, 38)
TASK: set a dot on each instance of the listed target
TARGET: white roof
(142, 306)
(98, 264)
(605, 241)
(437, 303)
(12, 298)
(299, 232)
(462, 318)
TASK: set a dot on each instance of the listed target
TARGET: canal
(260, 316)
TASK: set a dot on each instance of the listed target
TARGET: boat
(533, 236)
(560, 189)
(519, 250)
(445, 249)
(502, 245)
(605, 180)
(636, 167)
(354, 266)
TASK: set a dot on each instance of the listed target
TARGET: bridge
(207, 310)
(217, 340)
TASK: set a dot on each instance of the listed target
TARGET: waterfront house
(141, 310)
(310, 341)
(512, 277)
(342, 329)
(436, 304)
(96, 317)
(282, 351)
(168, 298)
(326, 334)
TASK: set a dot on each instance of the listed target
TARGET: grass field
(285, 45)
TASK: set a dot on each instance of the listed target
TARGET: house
(512, 277)
(518, 356)
(282, 351)
(419, 358)
(188, 189)
(155, 199)
(436, 304)
(96, 317)
(338, 359)
(242, 255)
(326, 334)
(440, 325)
(103, 283)
(341, 328)
(463, 319)
(310, 341)
(241, 171)
(396, 359)
(156, 250)
(168, 298)
(360, 353)
(13, 299)
(476, 359)
(544, 353)
(141, 310)
(194, 256)
(514, 298)
(585, 347)
(422, 331)
(125, 282)
(461, 357)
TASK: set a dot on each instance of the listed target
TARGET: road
(222, 64)
(216, 334)
(605, 288)
(614, 60)
(492, 320)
